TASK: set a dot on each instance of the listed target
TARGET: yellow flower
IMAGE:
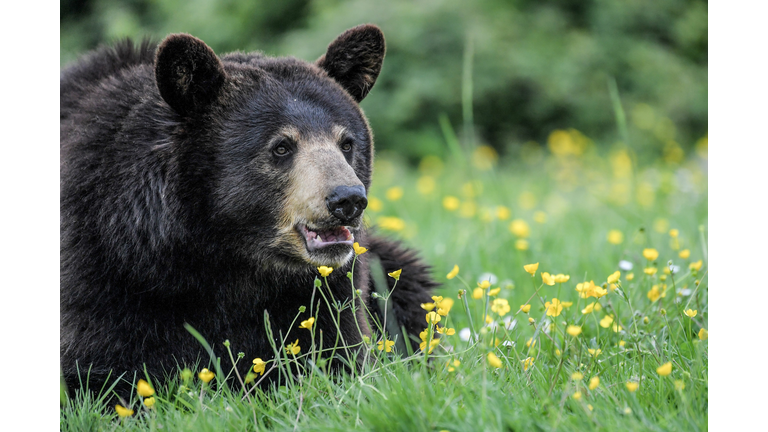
(425, 184)
(527, 363)
(394, 193)
(325, 270)
(522, 244)
(685, 253)
(664, 369)
(577, 376)
(444, 306)
(594, 382)
(654, 294)
(632, 386)
(591, 308)
(386, 345)
(484, 284)
(259, 366)
(616, 327)
(674, 233)
(561, 278)
(576, 396)
(650, 254)
(395, 274)
(452, 365)
(525, 308)
(650, 271)
(520, 228)
(595, 352)
(630, 276)
(293, 348)
(307, 324)
(500, 306)
(606, 321)
(452, 274)
(503, 213)
(432, 344)
(477, 293)
(205, 375)
(547, 278)
(374, 204)
(143, 389)
(446, 331)
(591, 408)
(432, 318)
(428, 306)
(615, 237)
(691, 313)
(494, 360)
(573, 330)
(589, 289)
(703, 334)
(359, 250)
(149, 402)
(679, 385)
(494, 292)
(451, 203)
(554, 308)
(530, 343)
(614, 277)
(391, 223)
(531, 268)
(540, 217)
(531, 320)
(123, 412)
(567, 304)
(695, 265)
(622, 343)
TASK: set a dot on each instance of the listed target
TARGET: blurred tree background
(506, 73)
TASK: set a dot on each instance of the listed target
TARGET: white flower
(490, 277)
(464, 334)
(684, 292)
(625, 265)
(507, 343)
(674, 269)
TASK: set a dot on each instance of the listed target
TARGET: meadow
(574, 297)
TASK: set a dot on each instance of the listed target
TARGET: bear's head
(279, 147)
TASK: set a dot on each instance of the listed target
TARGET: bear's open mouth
(318, 238)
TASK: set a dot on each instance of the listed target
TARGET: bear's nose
(347, 202)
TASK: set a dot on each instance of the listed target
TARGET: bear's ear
(189, 75)
(354, 59)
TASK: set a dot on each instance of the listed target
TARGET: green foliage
(535, 66)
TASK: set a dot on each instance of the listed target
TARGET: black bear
(207, 190)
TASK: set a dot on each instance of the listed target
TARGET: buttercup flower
(530, 343)
(395, 274)
(703, 334)
(394, 193)
(325, 270)
(591, 308)
(307, 324)
(451, 203)
(494, 360)
(484, 284)
(567, 304)
(444, 306)
(149, 402)
(573, 330)
(606, 321)
(577, 376)
(650, 271)
(293, 348)
(122, 411)
(452, 274)
(695, 265)
(679, 385)
(547, 278)
(576, 396)
(428, 306)
(522, 244)
(520, 228)
(615, 237)
(205, 375)
(561, 278)
(500, 306)
(531, 268)
(684, 254)
(674, 233)
(494, 292)
(433, 318)
(594, 352)
(594, 382)
(143, 389)
(614, 277)
(386, 345)
(527, 363)
(554, 308)
(632, 386)
(664, 369)
(525, 308)
(630, 276)
(691, 313)
(477, 293)
(445, 331)
(654, 294)
(259, 366)
(589, 289)
(650, 254)
(359, 250)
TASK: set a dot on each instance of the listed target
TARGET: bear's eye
(346, 146)
(281, 149)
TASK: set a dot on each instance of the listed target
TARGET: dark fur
(169, 200)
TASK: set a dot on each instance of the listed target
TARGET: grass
(554, 205)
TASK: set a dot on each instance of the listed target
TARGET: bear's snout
(347, 202)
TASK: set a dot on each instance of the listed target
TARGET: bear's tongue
(321, 238)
